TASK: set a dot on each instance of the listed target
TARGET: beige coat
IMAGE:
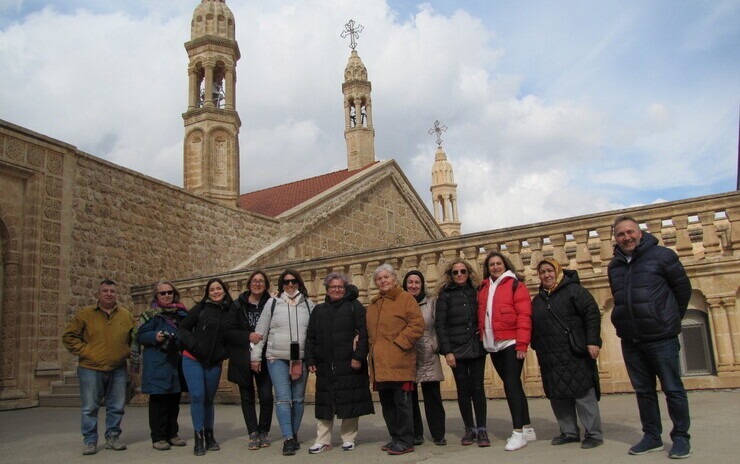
(428, 365)
(394, 325)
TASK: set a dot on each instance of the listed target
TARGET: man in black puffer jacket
(651, 294)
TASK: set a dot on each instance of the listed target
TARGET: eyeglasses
(257, 282)
(166, 292)
(336, 287)
(290, 281)
(459, 271)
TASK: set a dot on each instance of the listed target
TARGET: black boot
(199, 449)
(211, 443)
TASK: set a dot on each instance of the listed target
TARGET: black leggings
(469, 381)
(509, 368)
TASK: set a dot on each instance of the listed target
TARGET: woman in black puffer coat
(570, 379)
(336, 351)
(460, 343)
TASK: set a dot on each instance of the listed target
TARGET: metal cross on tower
(352, 30)
(438, 129)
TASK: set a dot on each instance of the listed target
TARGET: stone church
(68, 219)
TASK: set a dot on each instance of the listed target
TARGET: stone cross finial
(352, 30)
(438, 129)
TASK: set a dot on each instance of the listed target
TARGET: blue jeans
(94, 386)
(645, 361)
(289, 396)
(202, 383)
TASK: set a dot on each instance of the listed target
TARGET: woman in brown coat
(394, 324)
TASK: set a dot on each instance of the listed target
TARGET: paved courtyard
(52, 435)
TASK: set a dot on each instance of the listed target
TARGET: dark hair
(622, 218)
(175, 298)
(107, 282)
(423, 292)
(507, 264)
(262, 273)
(227, 298)
(297, 275)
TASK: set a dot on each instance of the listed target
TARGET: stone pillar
(583, 255)
(513, 249)
(208, 86)
(358, 279)
(722, 335)
(230, 79)
(655, 227)
(733, 215)
(193, 87)
(535, 244)
(453, 199)
(606, 249)
(558, 248)
(683, 241)
(430, 270)
(709, 238)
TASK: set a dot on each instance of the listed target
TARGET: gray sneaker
(113, 443)
(89, 448)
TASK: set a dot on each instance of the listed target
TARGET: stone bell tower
(358, 109)
(211, 145)
(444, 188)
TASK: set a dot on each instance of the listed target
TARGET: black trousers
(163, 412)
(471, 395)
(433, 410)
(264, 392)
(398, 415)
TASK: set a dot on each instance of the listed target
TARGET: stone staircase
(64, 393)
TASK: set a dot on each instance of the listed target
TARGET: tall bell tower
(211, 144)
(444, 188)
(358, 108)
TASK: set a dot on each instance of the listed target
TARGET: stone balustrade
(705, 232)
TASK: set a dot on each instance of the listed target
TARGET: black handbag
(578, 347)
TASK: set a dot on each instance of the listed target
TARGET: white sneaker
(318, 448)
(529, 434)
(516, 441)
(348, 446)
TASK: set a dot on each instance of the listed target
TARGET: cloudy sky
(554, 109)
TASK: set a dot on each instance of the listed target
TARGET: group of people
(394, 347)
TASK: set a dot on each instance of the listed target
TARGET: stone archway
(10, 393)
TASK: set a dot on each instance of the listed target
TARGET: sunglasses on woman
(166, 292)
(460, 271)
(290, 282)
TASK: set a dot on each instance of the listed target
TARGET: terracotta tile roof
(276, 200)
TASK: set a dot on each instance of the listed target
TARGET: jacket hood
(351, 293)
(570, 276)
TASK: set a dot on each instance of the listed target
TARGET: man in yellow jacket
(100, 336)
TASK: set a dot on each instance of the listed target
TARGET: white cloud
(556, 116)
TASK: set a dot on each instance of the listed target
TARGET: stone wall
(138, 230)
(67, 220)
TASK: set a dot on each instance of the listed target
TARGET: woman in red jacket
(505, 316)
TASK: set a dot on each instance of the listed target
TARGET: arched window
(696, 348)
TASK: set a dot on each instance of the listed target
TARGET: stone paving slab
(43, 435)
